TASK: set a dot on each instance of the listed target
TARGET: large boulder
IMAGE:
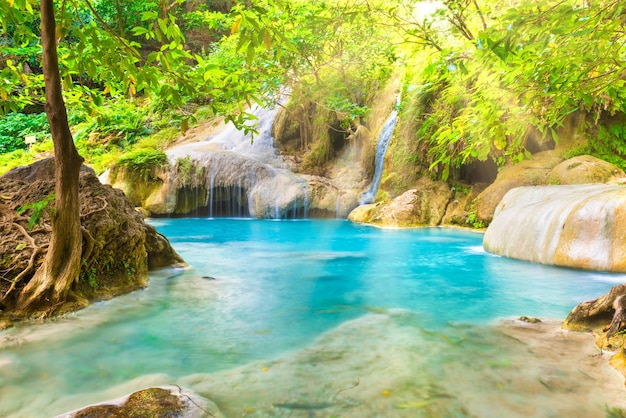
(531, 172)
(579, 226)
(585, 169)
(544, 168)
(118, 247)
(424, 205)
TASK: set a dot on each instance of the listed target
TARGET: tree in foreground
(53, 280)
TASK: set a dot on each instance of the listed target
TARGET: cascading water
(233, 174)
(381, 149)
(259, 146)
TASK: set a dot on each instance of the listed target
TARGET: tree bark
(52, 283)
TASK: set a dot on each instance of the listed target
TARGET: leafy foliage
(479, 73)
(497, 70)
(15, 126)
(609, 145)
(120, 123)
(143, 161)
(38, 209)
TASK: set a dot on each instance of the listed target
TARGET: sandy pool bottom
(385, 365)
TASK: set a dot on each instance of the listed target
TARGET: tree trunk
(52, 282)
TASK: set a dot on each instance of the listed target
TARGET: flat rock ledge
(157, 402)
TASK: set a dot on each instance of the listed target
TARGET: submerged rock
(571, 226)
(530, 320)
(386, 365)
(151, 402)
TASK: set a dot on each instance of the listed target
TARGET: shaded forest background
(481, 80)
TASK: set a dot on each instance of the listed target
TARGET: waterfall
(234, 174)
(259, 146)
(305, 188)
(381, 149)
(212, 186)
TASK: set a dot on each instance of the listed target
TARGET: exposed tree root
(618, 323)
(115, 242)
(37, 250)
(91, 212)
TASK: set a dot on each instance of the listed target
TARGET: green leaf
(250, 54)
(555, 136)
(140, 30)
(149, 15)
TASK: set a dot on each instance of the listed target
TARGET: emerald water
(349, 319)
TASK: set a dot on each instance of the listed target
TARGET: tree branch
(480, 13)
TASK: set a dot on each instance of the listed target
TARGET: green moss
(185, 169)
(147, 403)
(382, 196)
(159, 139)
(615, 413)
(143, 162)
(472, 218)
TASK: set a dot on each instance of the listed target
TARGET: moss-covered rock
(460, 210)
(585, 169)
(424, 205)
(160, 402)
(142, 189)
